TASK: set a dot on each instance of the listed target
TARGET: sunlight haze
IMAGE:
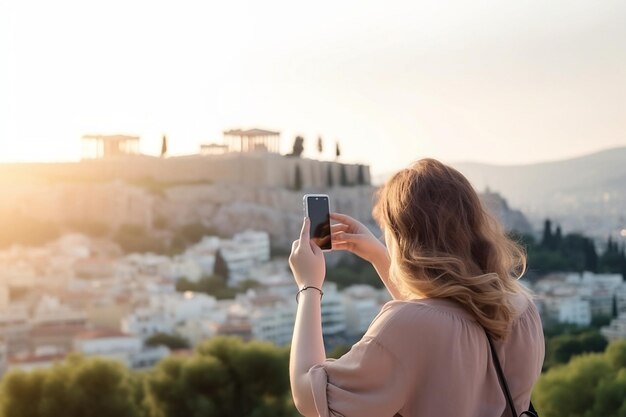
(498, 82)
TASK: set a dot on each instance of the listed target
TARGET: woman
(452, 273)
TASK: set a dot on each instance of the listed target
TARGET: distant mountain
(511, 219)
(586, 194)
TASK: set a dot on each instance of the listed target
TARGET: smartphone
(317, 209)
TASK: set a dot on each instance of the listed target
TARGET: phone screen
(319, 214)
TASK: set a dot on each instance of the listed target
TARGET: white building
(333, 311)
(113, 344)
(255, 243)
(272, 319)
(202, 255)
(73, 245)
(608, 281)
(243, 252)
(568, 310)
(149, 357)
(30, 362)
(616, 330)
(238, 262)
(179, 307)
(14, 322)
(49, 311)
(567, 296)
(361, 306)
(620, 298)
(272, 315)
(145, 322)
(195, 331)
(188, 268)
(109, 343)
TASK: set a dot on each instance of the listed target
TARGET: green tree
(558, 236)
(561, 348)
(215, 285)
(351, 270)
(225, 377)
(612, 259)
(547, 241)
(337, 150)
(77, 387)
(172, 341)
(163, 146)
(338, 351)
(133, 238)
(320, 145)
(589, 385)
(221, 267)
(591, 257)
(298, 147)
(569, 390)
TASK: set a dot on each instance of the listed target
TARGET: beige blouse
(431, 358)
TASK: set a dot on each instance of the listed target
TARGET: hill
(586, 194)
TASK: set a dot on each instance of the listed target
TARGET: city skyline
(494, 83)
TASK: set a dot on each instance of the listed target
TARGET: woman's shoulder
(436, 317)
(404, 319)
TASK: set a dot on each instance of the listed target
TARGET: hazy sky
(494, 81)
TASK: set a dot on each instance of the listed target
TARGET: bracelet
(306, 288)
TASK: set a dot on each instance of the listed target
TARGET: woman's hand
(351, 235)
(307, 260)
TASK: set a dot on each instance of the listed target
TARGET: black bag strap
(501, 378)
(505, 387)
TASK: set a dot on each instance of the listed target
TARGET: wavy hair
(447, 245)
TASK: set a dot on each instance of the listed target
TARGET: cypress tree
(221, 267)
(591, 257)
(547, 239)
(163, 146)
(298, 147)
(558, 238)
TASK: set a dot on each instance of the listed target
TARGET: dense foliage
(77, 387)
(172, 341)
(351, 270)
(215, 285)
(571, 252)
(224, 377)
(590, 385)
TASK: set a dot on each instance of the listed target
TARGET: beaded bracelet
(306, 288)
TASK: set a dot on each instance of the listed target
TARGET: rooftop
(250, 132)
(30, 358)
(102, 333)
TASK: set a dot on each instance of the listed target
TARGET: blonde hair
(448, 246)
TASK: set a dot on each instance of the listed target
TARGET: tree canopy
(224, 377)
(590, 385)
